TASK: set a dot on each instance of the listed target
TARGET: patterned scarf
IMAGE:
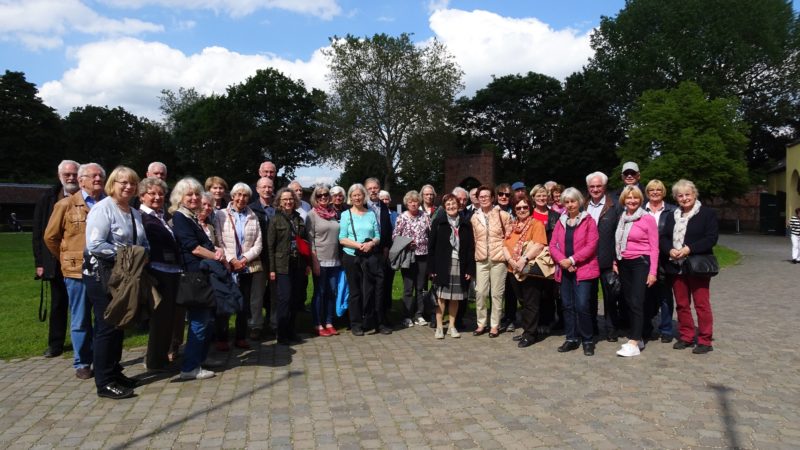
(624, 228)
(325, 212)
(520, 228)
(681, 222)
(454, 224)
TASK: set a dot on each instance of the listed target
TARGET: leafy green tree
(105, 136)
(741, 48)
(173, 102)
(518, 115)
(386, 93)
(269, 116)
(680, 133)
(30, 132)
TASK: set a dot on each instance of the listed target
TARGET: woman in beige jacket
(239, 234)
(489, 225)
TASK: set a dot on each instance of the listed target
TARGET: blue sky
(123, 52)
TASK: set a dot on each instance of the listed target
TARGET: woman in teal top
(359, 235)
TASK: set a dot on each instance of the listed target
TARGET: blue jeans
(323, 303)
(81, 332)
(198, 339)
(577, 313)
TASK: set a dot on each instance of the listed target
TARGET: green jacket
(280, 242)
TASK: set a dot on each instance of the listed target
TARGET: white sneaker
(421, 321)
(628, 350)
(197, 374)
(408, 323)
(454, 333)
(439, 333)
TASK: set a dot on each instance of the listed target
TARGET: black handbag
(195, 291)
(703, 265)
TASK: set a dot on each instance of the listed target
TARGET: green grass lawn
(22, 335)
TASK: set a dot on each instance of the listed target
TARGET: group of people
(634, 245)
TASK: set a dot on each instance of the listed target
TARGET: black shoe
(612, 336)
(702, 349)
(588, 349)
(114, 391)
(53, 352)
(666, 339)
(383, 329)
(357, 331)
(479, 332)
(525, 342)
(680, 345)
(125, 382)
(494, 335)
(518, 337)
(568, 346)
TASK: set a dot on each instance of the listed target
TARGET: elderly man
(304, 207)
(264, 210)
(383, 285)
(603, 209)
(65, 237)
(269, 170)
(158, 170)
(47, 267)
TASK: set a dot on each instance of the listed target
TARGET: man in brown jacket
(65, 237)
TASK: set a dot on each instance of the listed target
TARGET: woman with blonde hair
(218, 188)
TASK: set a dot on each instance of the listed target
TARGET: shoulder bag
(194, 288)
(703, 265)
(542, 266)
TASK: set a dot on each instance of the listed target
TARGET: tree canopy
(680, 133)
(741, 48)
(386, 93)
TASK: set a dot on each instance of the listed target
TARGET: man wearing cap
(518, 186)
(630, 177)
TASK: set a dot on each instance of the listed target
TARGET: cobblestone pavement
(408, 390)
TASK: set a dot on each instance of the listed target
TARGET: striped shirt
(794, 225)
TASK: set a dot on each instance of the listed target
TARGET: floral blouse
(416, 228)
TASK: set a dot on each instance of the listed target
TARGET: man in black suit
(47, 266)
(383, 286)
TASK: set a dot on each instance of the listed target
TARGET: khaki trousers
(490, 277)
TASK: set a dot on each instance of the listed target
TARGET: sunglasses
(522, 208)
(323, 195)
(504, 194)
(629, 174)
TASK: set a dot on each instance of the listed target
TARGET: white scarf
(624, 228)
(681, 222)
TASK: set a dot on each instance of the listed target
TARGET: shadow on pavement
(727, 415)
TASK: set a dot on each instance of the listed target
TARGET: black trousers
(510, 306)
(222, 322)
(551, 304)
(633, 274)
(162, 320)
(290, 288)
(59, 309)
(614, 307)
(414, 280)
(530, 292)
(365, 277)
(107, 339)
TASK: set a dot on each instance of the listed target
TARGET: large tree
(680, 133)
(30, 132)
(387, 92)
(742, 48)
(269, 116)
(518, 116)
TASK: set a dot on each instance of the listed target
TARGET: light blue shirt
(108, 228)
(365, 225)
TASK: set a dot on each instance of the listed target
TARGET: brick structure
(466, 170)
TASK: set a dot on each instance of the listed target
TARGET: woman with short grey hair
(239, 234)
(414, 225)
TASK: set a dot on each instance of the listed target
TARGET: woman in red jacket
(574, 247)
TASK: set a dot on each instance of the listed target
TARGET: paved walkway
(408, 390)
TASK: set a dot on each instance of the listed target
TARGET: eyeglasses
(323, 195)
(522, 208)
(92, 175)
(504, 194)
(125, 183)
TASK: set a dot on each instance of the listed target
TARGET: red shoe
(223, 346)
(331, 330)
(323, 332)
(242, 343)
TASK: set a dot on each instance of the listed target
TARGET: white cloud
(131, 73)
(486, 44)
(324, 9)
(436, 5)
(42, 23)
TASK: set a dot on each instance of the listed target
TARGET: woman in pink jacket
(637, 262)
(574, 249)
